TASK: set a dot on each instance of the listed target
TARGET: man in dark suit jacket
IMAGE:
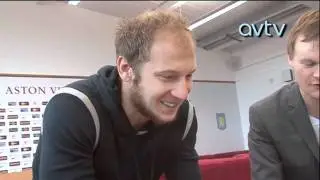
(284, 127)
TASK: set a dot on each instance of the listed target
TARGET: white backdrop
(22, 103)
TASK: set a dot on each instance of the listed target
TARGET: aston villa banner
(22, 104)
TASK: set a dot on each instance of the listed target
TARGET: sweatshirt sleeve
(67, 140)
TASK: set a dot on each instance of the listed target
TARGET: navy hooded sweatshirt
(66, 147)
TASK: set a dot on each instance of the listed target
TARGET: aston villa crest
(221, 121)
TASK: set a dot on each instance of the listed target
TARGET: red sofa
(223, 155)
(225, 166)
(230, 168)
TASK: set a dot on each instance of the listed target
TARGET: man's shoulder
(274, 100)
(184, 109)
(182, 115)
(84, 85)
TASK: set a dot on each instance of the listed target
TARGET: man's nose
(182, 89)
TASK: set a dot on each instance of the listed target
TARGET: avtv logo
(266, 28)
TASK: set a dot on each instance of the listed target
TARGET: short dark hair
(307, 26)
(134, 36)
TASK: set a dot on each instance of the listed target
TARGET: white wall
(212, 66)
(209, 99)
(259, 76)
(52, 39)
(65, 40)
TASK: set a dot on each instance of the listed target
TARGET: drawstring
(136, 163)
(154, 147)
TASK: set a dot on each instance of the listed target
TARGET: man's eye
(168, 77)
(309, 64)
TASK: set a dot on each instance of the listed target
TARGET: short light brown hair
(134, 36)
(307, 26)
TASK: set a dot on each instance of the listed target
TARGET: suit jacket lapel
(300, 118)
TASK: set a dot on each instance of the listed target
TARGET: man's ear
(289, 59)
(124, 69)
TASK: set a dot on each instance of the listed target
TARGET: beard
(140, 104)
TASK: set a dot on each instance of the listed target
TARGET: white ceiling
(119, 8)
(219, 27)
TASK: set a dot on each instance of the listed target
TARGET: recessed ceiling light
(178, 4)
(74, 3)
(216, 14)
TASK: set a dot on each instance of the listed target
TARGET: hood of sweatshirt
(108, 85)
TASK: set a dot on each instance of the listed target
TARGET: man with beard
(141, 106)
(284, 127)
